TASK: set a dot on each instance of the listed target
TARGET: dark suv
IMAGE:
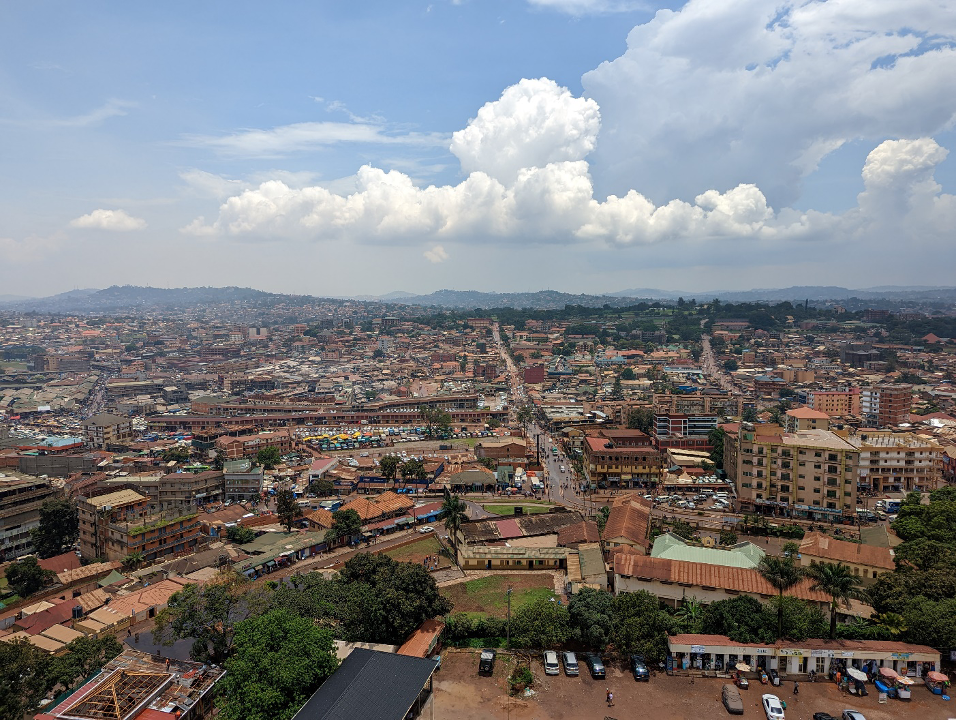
(639, 668)
(596, 666)
(486, 665)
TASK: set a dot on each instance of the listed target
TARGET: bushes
(464, 630)
(521, 677)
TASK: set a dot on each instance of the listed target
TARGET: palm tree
(783, 575)
(133, 561)
(690, 615)
(454, 512)
(837, 581)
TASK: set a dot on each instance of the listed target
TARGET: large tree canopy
(278, 661)
(59, 528)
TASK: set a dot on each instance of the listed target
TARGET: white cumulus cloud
(535, 122)
(436, 254)
(115, 220)
(543, 193)
(760, 91)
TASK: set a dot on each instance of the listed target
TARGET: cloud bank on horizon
(729, 124)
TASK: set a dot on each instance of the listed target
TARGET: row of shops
(719, 653)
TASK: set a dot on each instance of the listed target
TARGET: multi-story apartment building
(689, 432)
(700, 404)
(105, 430)
(835, 403)
(20, 501)
(805, 419)
(248, 445)
(174, 492)
(898, 462)
(621, 458)
(118, 524)
(886, 405)
(242, 481)
(810, 473)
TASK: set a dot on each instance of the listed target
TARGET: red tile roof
(704, 575)
(823, 546)
(629, 519)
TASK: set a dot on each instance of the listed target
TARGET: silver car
(551, 666)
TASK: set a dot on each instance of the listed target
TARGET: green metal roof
(742, 555)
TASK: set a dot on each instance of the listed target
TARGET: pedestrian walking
(610, 697)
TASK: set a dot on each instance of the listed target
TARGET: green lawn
(510, 509)
(488, 596)
(414, 552)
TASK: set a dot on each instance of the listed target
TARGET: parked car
(853, 715)
(486, 664)
(731, 699)
(772, 707)
(823, 716)
(639, 668)
(426, 529)
(596, 666)
(570, 664)
(551, 663)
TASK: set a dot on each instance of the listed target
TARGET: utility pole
(508, 626)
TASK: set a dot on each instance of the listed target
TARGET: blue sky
(746, 144)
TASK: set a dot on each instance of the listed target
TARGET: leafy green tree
(287, 508)
(601, 519)
(539, 624)
(641, 419)
(386, 600)
(683, 529)
(488, 463)
(59, 527)
(743, 619)
(749, 415)
(412, 469)
(731, 365)
(26, 576)
(388, 466)
(617, 390)
(177, 453)
(716, 439)
(345, 524)
(591, 614)
(627, 374)
(454, 513)
(240, 535)
(278, 661)
(783, 574)
(24, 672)
(437, 421)
(83, 656)
(208, 615)
(269, 457)
(728, 537)
(801, 620)
(640, 625)
(321, 487)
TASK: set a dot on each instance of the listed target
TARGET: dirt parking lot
(461, 694)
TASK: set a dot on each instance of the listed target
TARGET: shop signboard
(821, 653)
(698, 648)
(792, 652)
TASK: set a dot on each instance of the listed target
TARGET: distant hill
(541, 300)
(129, 297)
(799, 293)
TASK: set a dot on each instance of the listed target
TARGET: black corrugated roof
(369, 685)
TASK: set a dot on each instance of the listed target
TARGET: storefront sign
(900, 656)
(791, 652)
(698, 648)
(821, 653)
(846, 653)
(763, 651)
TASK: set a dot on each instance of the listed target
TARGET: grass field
(487, 595)
(510, 508)
(416, 551)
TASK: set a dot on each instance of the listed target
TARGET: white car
(853, 715)
(426, 529)
(772, 707)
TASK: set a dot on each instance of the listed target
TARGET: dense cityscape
(257, 495)
(478, 360)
